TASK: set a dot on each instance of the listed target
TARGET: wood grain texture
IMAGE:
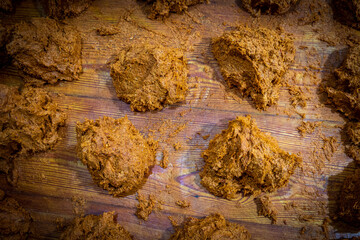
(49, 180)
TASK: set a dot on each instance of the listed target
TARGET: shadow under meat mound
(266, 8)
(334, 190)
(328, 79)
(345, 13)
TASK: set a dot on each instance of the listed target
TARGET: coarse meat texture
(150, 77)
(266, 209)
(298, 97)
(349, 200)
(183, 203)
(163, 8)
(30, 122)
(213, 227)
(254, 60)
(347, 12)
(15, 221)
(60, 9)
(274, 7)
(145, 206)
(118, 157)
(244, 159)
(352, 133)
(307, 127)
(46, 51)
(95, 227)
(344, 92)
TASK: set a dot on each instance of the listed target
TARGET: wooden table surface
(48, 181)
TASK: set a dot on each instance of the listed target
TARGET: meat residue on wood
(307, 127)
(266, 208)
(145, 206)
(183, 203)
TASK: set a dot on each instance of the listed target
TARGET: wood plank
(49, 180)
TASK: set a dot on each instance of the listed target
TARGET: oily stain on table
(48, 181)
